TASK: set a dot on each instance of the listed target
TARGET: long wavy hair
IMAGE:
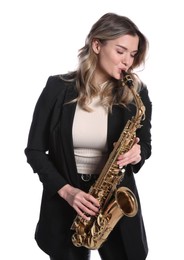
(110, 26)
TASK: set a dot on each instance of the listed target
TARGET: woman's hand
(84, 203)
(133, 156)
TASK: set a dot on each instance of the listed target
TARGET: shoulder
(55, 88)
(56, 85)
(143, 91)
(141, 87)
(144, 94)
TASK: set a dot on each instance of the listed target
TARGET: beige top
(90, 138)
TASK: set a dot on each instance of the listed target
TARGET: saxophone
(114, 203)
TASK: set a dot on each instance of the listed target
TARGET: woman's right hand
(84, 203)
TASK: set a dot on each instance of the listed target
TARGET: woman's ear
(96, 46)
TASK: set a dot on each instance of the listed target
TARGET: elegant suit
(50, 153)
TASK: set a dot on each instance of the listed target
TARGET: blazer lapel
(66, 135)
(116, 122)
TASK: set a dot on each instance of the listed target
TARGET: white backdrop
(40, 38)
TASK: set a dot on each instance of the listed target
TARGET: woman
(77, 119)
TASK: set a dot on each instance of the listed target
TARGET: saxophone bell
(127, 201)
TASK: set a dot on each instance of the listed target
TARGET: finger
(137, 139)
(90, 205)
(88, 211)
(82, 214)
(132, 156)
(86, 200)
(85, 212)
(92, 200)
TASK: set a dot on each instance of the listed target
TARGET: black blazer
(50, 153)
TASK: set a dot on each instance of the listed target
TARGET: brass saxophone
(114, 203)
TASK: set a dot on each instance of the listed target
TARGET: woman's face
(114, 56)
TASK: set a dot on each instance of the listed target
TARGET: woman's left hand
(133, 156)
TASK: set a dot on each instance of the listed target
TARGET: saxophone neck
(127, 80)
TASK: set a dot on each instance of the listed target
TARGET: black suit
(51, 130)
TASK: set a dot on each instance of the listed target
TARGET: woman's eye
(133, 55)
(120, 52)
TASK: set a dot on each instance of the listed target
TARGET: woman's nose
(126, 60)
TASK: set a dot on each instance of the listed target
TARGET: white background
(40, 38)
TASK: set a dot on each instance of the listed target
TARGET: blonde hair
(109, 26)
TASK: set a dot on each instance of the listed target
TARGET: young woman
(77, 119)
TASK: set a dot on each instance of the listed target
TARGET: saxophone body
(114, 203)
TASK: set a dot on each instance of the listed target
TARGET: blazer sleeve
(38, 139)
(144, 133)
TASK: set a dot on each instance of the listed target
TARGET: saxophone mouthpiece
(123, 74)
(127, 79)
